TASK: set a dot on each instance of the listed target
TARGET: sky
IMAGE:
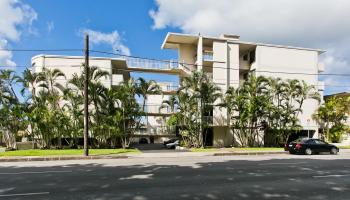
(138, 27)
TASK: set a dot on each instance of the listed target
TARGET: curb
(247, 153)
(55, 158)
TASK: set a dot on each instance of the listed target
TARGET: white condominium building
(226, 59)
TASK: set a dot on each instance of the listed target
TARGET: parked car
(172, 145)
(169, 141)
(310, 146)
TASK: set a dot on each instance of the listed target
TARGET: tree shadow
(233, 179)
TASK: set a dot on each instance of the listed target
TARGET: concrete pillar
(200, 54)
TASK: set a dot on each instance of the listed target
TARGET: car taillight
(298, 146)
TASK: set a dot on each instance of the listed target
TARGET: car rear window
(301, 140)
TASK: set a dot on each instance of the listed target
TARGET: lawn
(344, 147)
(66, 152)
(237, 149)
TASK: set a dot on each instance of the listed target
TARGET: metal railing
(156, 108)
(170, 88)
(151, 64)
(157, 130)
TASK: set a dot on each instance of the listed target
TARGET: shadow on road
(235, 179)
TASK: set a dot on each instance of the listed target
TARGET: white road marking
(42, 172)
(296, 163)
(332, 175)
(24, 194)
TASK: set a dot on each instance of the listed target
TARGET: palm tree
(144, 88)
(50, 80)
(171, 103)
(200, 88)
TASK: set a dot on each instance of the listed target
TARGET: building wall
(222, 136)
(70, 65)
(291, 61)
(225, 74)
(187, 53)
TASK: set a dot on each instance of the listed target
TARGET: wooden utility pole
(86, 97)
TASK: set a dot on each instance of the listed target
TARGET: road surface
(227, 177)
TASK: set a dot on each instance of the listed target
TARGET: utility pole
(86, 97)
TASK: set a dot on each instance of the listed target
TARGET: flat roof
(172, 40)
(77, 57)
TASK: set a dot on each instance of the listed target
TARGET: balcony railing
(170, 88)
(151, 64)
(157, 130)
(153, 108)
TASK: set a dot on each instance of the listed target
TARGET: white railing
(154, 108)
(157, 130)
(151, 64)
(170, 88)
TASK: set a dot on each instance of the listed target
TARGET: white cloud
(50, 26)
(5, 56)
(313, 23)
(113, 39)
(14, 17)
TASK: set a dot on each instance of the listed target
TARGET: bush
(336, 132)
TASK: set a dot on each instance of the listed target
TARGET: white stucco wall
(297, 61)
(70, 65)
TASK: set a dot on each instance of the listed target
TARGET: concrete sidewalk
(174, 154)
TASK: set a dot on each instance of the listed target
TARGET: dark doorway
(208, 137)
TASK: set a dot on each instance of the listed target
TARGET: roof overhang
(172, 40)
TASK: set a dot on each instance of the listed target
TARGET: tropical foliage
(332, 116)
(49, 108)
(263, 107)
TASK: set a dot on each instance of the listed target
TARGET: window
(319, 142)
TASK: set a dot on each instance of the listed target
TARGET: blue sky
(59, 25)
(139, 27)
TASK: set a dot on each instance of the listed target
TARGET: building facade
(226, 59)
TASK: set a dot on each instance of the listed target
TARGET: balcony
(152, 66)
(169, 89)
(157, 131)
(157, 110)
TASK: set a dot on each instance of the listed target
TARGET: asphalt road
(229, 177)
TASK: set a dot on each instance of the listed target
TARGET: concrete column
(200, 54)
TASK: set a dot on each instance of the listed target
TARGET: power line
(164, 61)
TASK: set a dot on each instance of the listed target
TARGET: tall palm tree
(145, 88)
(199, 87)
(50, 80)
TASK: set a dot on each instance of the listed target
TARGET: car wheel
(308, 151)
(334, 151)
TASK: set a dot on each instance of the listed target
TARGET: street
(207, 177)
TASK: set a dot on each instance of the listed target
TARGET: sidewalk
(174, 154)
